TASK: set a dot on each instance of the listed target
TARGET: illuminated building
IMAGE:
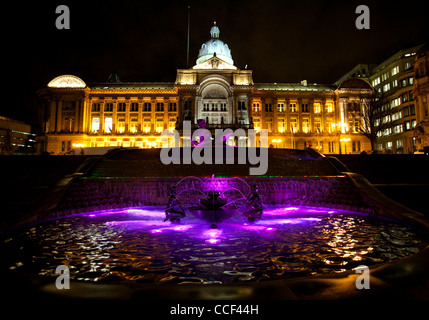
(15, 137)
(421, 94)
(403, 90)
(122, 114)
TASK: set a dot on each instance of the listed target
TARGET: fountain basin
(135, 246)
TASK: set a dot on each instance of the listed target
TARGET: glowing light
(182, 228)
(67, 81)
(212, 241)
(78, 145)
(155, 231)
(213, 233)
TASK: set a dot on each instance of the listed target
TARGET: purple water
(136, 245)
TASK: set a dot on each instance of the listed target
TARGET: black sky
(280, 40)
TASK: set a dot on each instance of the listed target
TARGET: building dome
(215, 47)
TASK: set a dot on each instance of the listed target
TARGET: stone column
(76, 116)
(102, 105)
(52, 115)
(59, 116)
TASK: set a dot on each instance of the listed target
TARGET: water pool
(137, 245)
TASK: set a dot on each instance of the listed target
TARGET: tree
(374, 117)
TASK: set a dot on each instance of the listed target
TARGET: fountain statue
(254, 207)
(174, 211)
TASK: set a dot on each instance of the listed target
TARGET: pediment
(215, 63)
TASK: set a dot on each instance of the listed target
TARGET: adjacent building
(15, 137)
(402, 91)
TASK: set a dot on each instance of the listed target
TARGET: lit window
(389, 145)
(329, 107)
(159, 125)
(386, 87)
(293, 107)
(95, 124)
(146, 126)
(317, 108)
(281, 125)
(293, 125)
(305, 126)
(318, 125)
(108, 124)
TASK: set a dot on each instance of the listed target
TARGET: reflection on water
(136, 245)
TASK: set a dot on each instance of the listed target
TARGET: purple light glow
(182, 228)
(212, 241)
(213, 233)
(138, 223)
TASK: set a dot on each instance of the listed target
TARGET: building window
(268, 107)
(412, 110)
(172, 124)
(385, 76)
(108, 124)
(95, 124)
(305, 126)
(108, 107)
(134, 106)
(121, 107)
(159, 106)
(376, 81)
(317, 108)
(331, 146)
(386, 87)
(172, 106)
(389, 145)
(270, 125)
(292, 107)
(159, 125)
(329, 107)
(134, 125)
(280, 107)
(356, 146)
(96, 107)
(146, 125)
(147, 106)
(242, 105)
(395, 70)
(356, 126)
(256, 107)
(281, 125)
(399, 144)
(407, 125)
(304, 107)
(293, 125)
(318, 125)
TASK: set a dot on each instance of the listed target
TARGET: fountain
(214, 206)
(231, 232)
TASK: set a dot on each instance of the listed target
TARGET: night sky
(281, 41)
